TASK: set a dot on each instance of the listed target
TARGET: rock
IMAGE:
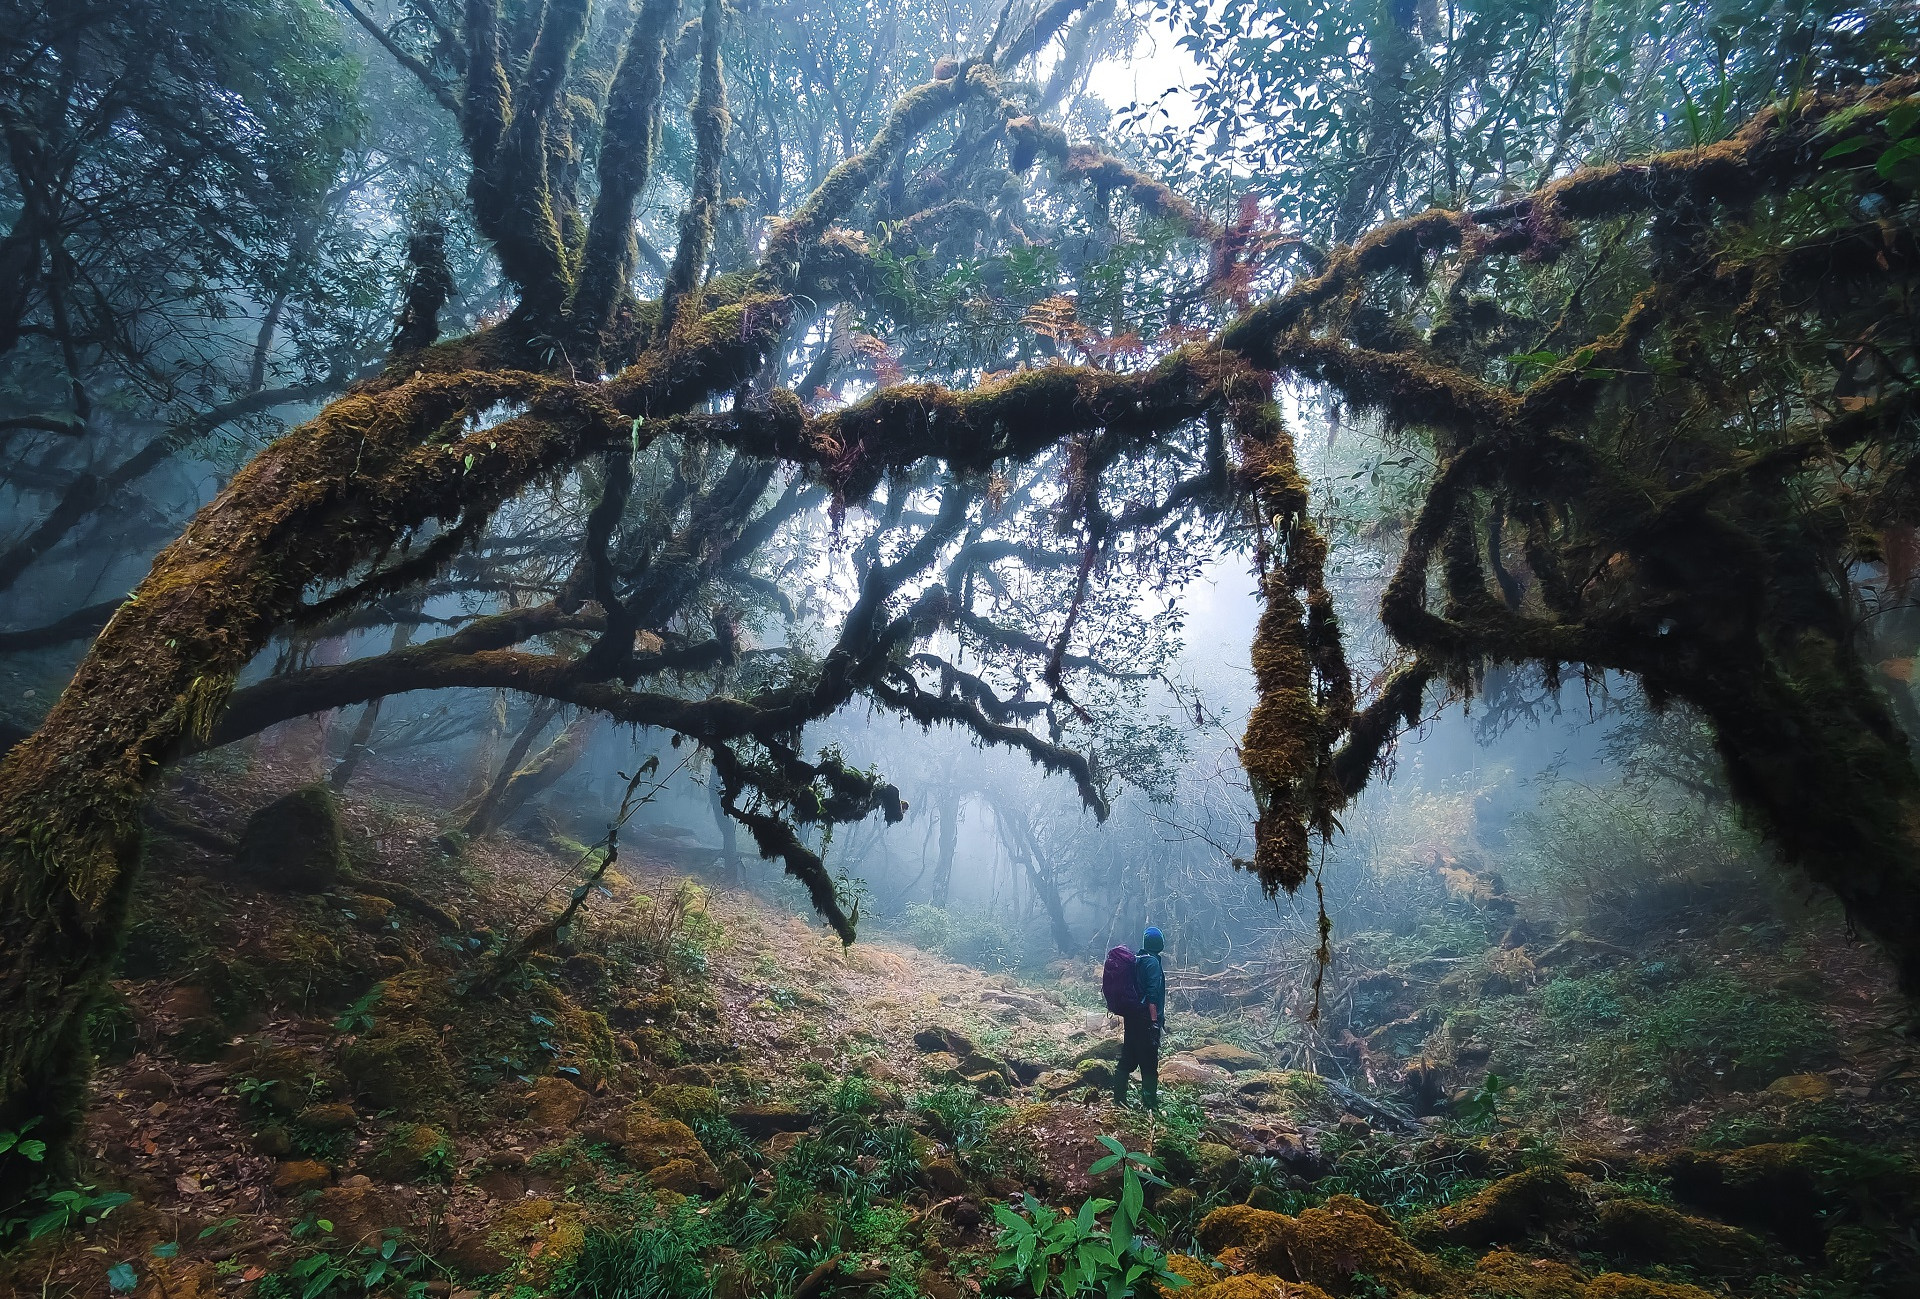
(1329, 1245)
(370, 912)
(296, 842)
(150, 1082)
(691, 1075)
(1576, 948)
(1025, 1072)
(404, 1070)
(1614, 1285)
(1508, 1210)
(415, 1151)
(553, 1102)
(1642, 1232)
(685, 1102)
(1233, 1059)
(988, 1082)
(1186, 1071)
(1055, 1082)
(940, 1066)
(680, 1175)
(1269, 1141)
(652, 1141)
(1107, 1048)
(781, 1144)
(943, 1177)
(1801, 1088)
(764, 1120)
(939, 1038)
(1506, 1275)
(297, 1175)
(1094, 1073)
(273, 1140)
(359, 1212)
(1254, 1287)
(332, 1116)
(1258, 1237)
(471, 1254)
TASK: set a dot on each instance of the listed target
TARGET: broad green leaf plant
(1056, 1253)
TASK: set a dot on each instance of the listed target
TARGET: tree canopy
(743, 363)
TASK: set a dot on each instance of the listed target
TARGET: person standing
(1140, 1040)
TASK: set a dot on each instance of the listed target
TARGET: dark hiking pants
(1139, 1049)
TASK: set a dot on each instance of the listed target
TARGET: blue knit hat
(1154, 942)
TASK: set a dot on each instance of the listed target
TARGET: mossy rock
(1254, 1286)
(328, 1116)
(1258, 1237)
(1094, 1072)
(761, 1121)
(1329, 1245)
(1504, 1274)
(1508, 1210)
(650, 1140)
(685, 1101)
(296, 843)
(1642, 1232)
(404, 1071)
(416, 1152)
(1234, 1059)
(547, 1232)
(553, 1102)
(1616, 1285)
(1107, 1048)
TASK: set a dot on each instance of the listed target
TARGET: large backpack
(1119, 984)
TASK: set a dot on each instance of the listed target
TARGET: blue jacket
(1152, 981)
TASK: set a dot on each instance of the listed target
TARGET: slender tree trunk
(486, 815)
(369, 718)
(949, 839)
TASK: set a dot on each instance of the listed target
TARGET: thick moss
(1330, 1245)
(1642, 1232)
(296, 842)
(1506, 1275)
(404, 1071)
(1507, 1210)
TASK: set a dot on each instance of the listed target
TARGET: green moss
(297, 842)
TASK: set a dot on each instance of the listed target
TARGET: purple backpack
(1118, 984)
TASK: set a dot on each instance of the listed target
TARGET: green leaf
(1895, 155)
(1900, 121)
(1845, 147)
(122, 1277)
(170, 1249)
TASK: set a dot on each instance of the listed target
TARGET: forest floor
(327, 1075)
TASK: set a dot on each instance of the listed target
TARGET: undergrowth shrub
(1650, 1037)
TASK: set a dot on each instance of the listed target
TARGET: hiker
(1135, 987)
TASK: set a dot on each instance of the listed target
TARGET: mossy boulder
(650, 1140)
(1107, 1048)
(761, 1121)
(549, 1233)
(939, 1037)
(1508, 1210)
(1617, 1285)
(1643, 1232)
(415, 1152)
(360, 1212)
(1504, 1274)
(295, 843)
(1257, 1237)
(403, 1070)
(685, 1101)
(1330, 1245)
(297, 1175)
(1093, 1073)
(1234, 1059)
(1254, 1286)
(331, 1116)
(553, 1102)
